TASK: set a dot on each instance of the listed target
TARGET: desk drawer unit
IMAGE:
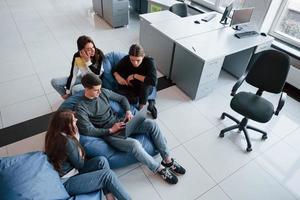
(116, 12)
(211, 70)
(192, 75)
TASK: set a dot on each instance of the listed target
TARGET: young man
(136, 77)
(96, 119)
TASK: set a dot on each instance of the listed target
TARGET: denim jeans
(59, 85)
(94, 176)
(134, 146)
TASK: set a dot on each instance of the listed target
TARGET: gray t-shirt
(95, 116)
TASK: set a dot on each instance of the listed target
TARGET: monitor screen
(226, 13)
(241, 16)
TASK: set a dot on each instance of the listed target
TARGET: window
(286, 25)
(212, 4)
(236, 3)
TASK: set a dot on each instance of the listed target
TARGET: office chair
(268, 72)
(179, 9)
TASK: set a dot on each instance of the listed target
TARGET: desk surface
(186, 26)
(160, 16)
(219, 43)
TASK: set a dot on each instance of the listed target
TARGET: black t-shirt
(146, 68)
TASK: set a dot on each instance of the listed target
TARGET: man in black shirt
(136, 77)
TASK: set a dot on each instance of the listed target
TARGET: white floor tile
(171, 139)
(25, 110)
(170, 97)
(20, 90)
(159, 74)
(185, 121)
(55, 100)
(124, 170)
(252, 182)
(294, 139)
(191, 185)
(12, 70)
(214, 194)
(34, 143)
(219, 157)
(283, 163)
(3, 151)
(212, 106)
(138, 186)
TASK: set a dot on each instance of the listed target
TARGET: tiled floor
(37, 42)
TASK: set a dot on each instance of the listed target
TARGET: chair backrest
(269, 71)
(179, 9)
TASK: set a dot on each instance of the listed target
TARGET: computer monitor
(226, 13)
(241, 16)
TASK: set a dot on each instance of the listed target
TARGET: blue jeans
(94, 176)
(134, 146)
(59, 85)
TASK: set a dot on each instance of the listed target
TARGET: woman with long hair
(88, 59)
(67, 156)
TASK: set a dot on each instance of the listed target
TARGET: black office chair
(268, 72)
(179, 9)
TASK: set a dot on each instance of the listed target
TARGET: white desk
(145, 29)
(161, 36)
(198, 59)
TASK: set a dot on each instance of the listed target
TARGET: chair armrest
(280, 103)
(238, 83)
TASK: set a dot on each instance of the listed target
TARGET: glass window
(236, 3)
(287, 24)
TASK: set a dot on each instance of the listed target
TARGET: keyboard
(207, 18)
(246, 34)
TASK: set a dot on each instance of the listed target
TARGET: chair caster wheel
(222, 116)
(249, 149)
(264, 137)
(221, 135)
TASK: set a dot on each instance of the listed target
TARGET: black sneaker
(168, 176)
(174, 167)
(152, 110)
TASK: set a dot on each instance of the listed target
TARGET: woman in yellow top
(87, 59)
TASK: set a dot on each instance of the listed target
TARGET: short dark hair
(136, 50)
(90, 80)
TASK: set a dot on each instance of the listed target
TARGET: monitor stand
(224, 22)
(237, 28)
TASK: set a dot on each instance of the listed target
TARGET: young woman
(136, 77)
(68, 158)
(87, 59)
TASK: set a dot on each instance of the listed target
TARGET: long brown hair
(55, 142)
(82, 41)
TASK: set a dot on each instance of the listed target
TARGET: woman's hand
(117, 127)
(84, 55)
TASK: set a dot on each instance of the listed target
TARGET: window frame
(275, 33)
(214, 6)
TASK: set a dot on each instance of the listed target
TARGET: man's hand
(121, 80)
(117, 127)
(130, 78)
(128, 116)
(84, 55)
